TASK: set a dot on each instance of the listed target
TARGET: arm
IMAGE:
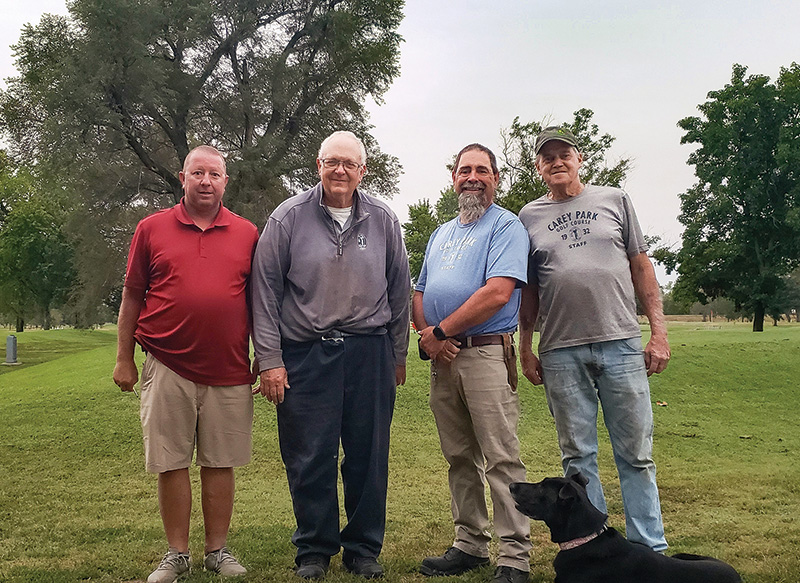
(656, 353)
(270, 264)
(528, 313)
(398, 280)
(478, 308)
(482, 305)
(125, 372)
(445, 350)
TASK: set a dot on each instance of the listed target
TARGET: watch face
(439, 333)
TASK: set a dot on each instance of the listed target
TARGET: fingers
(532, 368)
(274, 382)
(534, 375)
(655, 361)
(448, 352)
(399, 375)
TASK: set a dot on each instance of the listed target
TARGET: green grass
(77, 505)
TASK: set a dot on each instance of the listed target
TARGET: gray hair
(361, 147)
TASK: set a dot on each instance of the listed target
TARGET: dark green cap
(551, 133)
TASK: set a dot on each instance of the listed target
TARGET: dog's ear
(580, 478)
(566, 495)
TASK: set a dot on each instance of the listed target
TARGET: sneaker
(172, 566)
(312, 566)
(367, 567)
(510, 575)
(223, 563)
(453, 562)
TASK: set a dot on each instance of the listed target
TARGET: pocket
(631, 346)
(147, 373)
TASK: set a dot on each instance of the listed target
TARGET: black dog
(594, 553)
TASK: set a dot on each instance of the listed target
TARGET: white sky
(469, 67)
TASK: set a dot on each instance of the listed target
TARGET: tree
(137, 84)
(422, 222)
(35, 260)
(521, 181)
(742, 217)
(110, 99)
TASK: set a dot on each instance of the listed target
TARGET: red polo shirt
(196, 317)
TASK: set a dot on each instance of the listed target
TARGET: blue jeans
(612, 373)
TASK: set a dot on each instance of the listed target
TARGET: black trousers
(342, 391)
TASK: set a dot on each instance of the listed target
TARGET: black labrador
(593, 553)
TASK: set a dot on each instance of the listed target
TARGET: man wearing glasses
(331, 323)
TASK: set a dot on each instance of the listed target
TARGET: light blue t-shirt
(460, 258)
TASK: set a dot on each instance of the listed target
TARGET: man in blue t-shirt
(465, 309)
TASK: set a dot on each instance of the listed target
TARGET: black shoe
(510, 575)
(453, 562)
(312, 566)
(367, 567)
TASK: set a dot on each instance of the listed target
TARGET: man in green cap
(588, 264)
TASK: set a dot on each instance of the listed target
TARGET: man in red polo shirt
(185, 302)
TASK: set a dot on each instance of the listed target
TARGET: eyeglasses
(349, 165)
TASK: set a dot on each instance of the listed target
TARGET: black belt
(336, 335)
(480, 340)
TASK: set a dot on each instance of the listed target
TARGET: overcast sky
(469, 67)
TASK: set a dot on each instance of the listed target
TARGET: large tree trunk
(758, 318)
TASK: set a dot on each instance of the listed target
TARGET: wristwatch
(439, 333)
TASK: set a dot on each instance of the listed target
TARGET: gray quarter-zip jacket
(310, 277)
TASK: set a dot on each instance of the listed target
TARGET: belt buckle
(332, 335)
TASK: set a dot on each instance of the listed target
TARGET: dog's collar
(576, 542)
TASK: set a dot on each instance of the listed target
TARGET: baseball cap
(554, 133)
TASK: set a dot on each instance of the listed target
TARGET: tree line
(108, 101)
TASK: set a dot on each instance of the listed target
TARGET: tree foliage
(36, 271)
(128, 87)
(742, 217)
(522, 183)
(422, 222)
(110, 99)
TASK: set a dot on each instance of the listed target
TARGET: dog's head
(562, 504)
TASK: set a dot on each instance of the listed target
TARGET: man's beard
(471, 205)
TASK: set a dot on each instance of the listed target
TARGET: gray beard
(471, 207)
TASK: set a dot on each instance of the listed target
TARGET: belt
(339, 335)
(480, 340)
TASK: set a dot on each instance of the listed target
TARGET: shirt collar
(223, 218)
(358, 210)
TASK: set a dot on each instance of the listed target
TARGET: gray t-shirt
(579, 258)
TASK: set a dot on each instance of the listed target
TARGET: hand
(531, 367)
(449, 351)
(254, 375)
(274, 381)
(656, 354)
(439, 350)
(399, 375)
(126, 375)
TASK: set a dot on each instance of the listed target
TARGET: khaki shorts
(177, 413)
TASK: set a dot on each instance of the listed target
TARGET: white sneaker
(224, 563)
(172, 566)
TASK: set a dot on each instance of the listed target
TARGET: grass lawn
(77, 505)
